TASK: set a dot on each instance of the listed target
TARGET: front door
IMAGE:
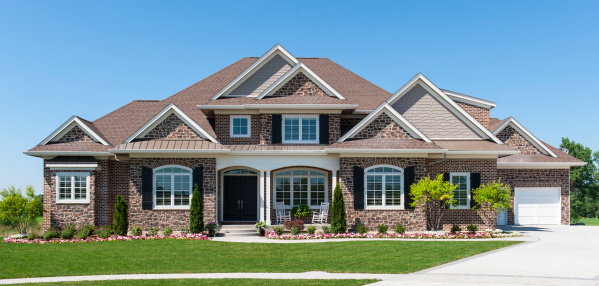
(240, 198)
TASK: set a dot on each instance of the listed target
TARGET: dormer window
(241, 126)
(300, 129)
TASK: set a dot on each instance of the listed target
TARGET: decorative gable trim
(276, 50)
(437, 93)
(70, 124)
(527, 135)
(162, 115)
(391, 112)
(301, 67)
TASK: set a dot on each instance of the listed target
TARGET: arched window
(172, 187)
(296, 187)
(383, 187)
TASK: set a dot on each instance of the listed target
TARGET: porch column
(268, 221)
(262, 196)
(333, 183)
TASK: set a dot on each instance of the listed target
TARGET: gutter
(280, 106)
(66, 153)
(539, 165)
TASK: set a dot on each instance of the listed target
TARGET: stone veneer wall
(512, 138)
(172, 128)
(223, 130)
(383, 127)
(538, 178)
(300, 85)
(481, 114)
(75, 134)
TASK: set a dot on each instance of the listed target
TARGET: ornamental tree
(196, 214)
(491, 199)
(120, 223)
(338, 216)
(18, 210)
(433, 196)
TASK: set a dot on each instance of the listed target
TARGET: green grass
(214, 282)
(590, 221)
(187, 256)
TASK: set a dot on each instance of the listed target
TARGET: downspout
(439, 161)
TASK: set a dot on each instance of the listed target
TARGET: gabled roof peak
(511, 121)
(75, 120)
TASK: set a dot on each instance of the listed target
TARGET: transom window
(384, 187)
(240, 126)
(72, 187)
(240, 172)
(300, 129)
(172, 187)
(298, 187)
(461, 194)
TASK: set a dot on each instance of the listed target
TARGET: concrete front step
(238, 230)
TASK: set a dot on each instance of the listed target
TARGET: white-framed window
(172, 187)
(296, 187)
(241, 126)
(383, 187)
(300, 129)
(72, 187)
(461, 194)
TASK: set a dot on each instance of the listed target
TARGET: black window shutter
(324, 128)
(474, 183)
(277, 134)
(446, 179)
(358, 188)
(146, 188)
(408, 180)
(198, 178)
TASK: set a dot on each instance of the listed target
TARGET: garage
(537, 206)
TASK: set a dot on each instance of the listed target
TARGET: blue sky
(537, 59)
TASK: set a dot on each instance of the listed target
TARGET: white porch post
(268, 221)
(262, 196)
(333, 184)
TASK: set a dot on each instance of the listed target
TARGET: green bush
(32, 235)
(302, 210)
(311, 229)
(68, 232)
(338, 216)
(382, 228)
(196, 214)
(120, 223)
(361, 228)
(83, 233)
(167, 231)
(294, 230)
(455, 229)
(51, 233)
(326, 229)
(136, 230)
(90, 228)
(153, 231)
(19, 211)
(472, 227)
(400, 228)
(184, 230)
(278, 230)
(433, 196)
(103, 231)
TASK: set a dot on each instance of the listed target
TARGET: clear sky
(538, 60)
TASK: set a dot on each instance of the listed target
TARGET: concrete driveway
(552, 255)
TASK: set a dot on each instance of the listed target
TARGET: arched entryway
(240, 195)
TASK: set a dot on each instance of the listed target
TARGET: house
(283, 129)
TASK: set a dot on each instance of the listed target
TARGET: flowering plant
(190, 236)
(424, 235)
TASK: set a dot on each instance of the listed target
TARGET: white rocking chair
(321, 216)
(282, 215)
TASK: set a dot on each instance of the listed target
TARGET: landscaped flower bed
(188, 236)
(273, 235)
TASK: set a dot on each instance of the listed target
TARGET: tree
(20, 211)
(434, 196)
(120, 223)
(491, 199)
(584, 180)
(196, 214)
(338, 216)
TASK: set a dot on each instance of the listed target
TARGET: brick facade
(512, 138)
(75, 134)
(223, 130)
(481, 114)
(172, 128)
(300, 85)
(383, 127)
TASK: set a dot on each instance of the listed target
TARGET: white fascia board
(66, 153)
(483, 152)
(384, 151)
(150, 151)
(76, 122)
(301, 67)
(171, 108)
(280, 106)
(470, 100)
(279, 152)
(447, 102)
(539, 165)
(277, 49)
(527, 135)
(71, 166)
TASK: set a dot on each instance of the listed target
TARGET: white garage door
(537, 206)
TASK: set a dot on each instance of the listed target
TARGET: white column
(268, 221)
(261, 200)
(333, 184)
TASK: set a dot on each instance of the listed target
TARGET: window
(300, 187)
(72, 187)
(384, 187)
(240, 172)
(461, 194)
(300, 129)
(172, 187)
(241, 126)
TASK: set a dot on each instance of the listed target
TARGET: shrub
(302, 210)
(472, 227)
(120, 223)
(136, 230)
(297, 223)
(32, 235)
(382, 228)
(51, 233)
(434, 196)
(196, 214)
(294, 230)
(213, 228)
(167, 231)
(83, 233)
(491, 199)
(311, 229)
(153, 231)
(326, 229)
(400, 228)
(260, 226)
(184, 230)
(361, 228)
(278, 230)
(338, 216)
(455, 229)
(18, 210)
(68, 232)
(104, 231)
(90, 228)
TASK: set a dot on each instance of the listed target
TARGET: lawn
(187, 256)
(217, 282)
(590, 221)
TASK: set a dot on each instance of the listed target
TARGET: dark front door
(240, 198)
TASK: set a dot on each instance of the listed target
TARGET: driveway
(552, 255)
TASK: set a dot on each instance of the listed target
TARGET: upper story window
(172, 187)
(384, 187)
(298, 187)
(300, 129)
(461, 194)
(72, 187)
(241, 126)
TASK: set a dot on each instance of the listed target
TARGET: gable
(172, 127)
(301, 85)
(430, 116)
(76, 134)
(514, 139)
(383, 127)
(264, 77)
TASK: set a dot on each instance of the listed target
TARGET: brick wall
(538, 178)
(383, 127)
(265, 129)
(75, 134)
(300, 85)
(172, 128)
(512, 138)
(481, 114)
(265, 134)
(114, 177)
(223, 130)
